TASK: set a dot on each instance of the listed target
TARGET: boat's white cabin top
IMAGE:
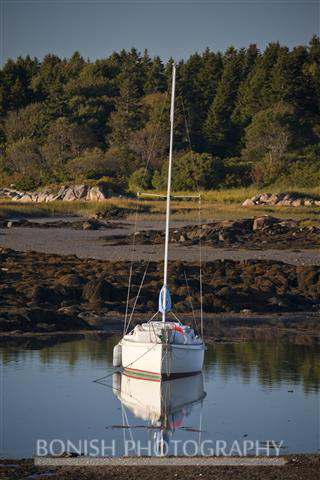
(163, 332)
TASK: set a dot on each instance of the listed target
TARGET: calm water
(258, 392)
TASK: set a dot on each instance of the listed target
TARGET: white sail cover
(164, 308)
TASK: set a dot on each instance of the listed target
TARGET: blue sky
(167, 28)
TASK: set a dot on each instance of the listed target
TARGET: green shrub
(140, 179)
(191, 171)
(236, 173)
(301, 170)
(91, 163)
(27, 182)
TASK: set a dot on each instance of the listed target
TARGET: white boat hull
(157, 360)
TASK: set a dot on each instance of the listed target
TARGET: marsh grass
(215, 205)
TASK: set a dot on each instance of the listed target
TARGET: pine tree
(218, 127)
(254, 93)
(292, 84)
(127, 116)
(207, 79)
(313, 67)
(155, 77)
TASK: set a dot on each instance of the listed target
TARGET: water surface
(249, 391)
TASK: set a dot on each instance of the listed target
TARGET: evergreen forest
(243, 117)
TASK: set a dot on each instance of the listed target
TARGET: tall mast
(166, 246)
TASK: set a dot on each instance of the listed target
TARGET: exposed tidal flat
(261, 276)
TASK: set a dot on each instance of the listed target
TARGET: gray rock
(62, 191)
(49, 197)
(87, 226)
(262, 222)
(42, 196)
(221, 237)
(273, 199)
(256, 198)
(95, 194)
(26, 197)
(80, 191)
(228, 224)
(264, 197)
(248, 203)
(69, 195)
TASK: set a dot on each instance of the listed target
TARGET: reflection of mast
(163, 404)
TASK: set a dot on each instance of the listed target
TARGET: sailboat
(156, 349)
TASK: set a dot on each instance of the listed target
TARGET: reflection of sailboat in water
(163, 404)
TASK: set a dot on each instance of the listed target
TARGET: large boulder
(98, 291)
(265, 197)
(61, 192)
(80, 191)
(248, 203)
(69, 195)
(95, 194)
(42, 294)
(42, 196)
(26, 197)
(263, 222)
(70, 280)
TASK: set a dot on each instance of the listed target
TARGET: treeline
(242, 116)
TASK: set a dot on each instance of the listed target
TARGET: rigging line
(175, 316)
(128, 424)
(98, 380)
(189, 141)
(121, 373)
(131, 265)
(153, 316)
(124, 434)
(200, 271)
(194, 318)
(199, 221)
(137, 296)
(154, 139)
(125, 327)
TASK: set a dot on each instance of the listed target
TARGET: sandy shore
(91, 244)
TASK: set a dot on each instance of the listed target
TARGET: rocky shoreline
(49, 293)
(66, 193)
(81, 224)
(263, 232)
(291, 199)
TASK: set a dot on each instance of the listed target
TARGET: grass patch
(215, 205)
(77, 207)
